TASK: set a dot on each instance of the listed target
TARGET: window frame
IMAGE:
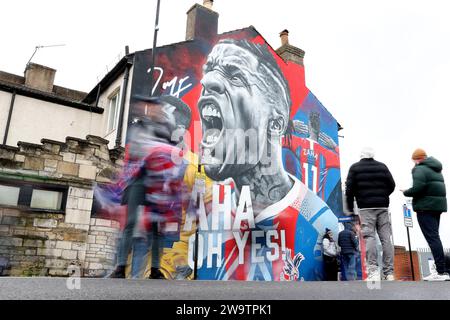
(115, 94)
(11, 186)
(26, 193)
(59, 200)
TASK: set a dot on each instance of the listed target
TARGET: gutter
(48, 97)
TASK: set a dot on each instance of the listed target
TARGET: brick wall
(41, 243)
(402, 265)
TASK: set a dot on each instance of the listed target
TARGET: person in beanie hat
(429, 201)
(370, 182)
(419, 154)
(330, 254)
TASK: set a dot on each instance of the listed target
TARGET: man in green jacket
(429, 201)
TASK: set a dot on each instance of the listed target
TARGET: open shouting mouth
(212, 122)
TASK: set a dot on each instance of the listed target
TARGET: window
(44, 199)
(33, 196)
(113, 111)
(9, 196)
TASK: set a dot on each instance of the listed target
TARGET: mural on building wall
(270, 180)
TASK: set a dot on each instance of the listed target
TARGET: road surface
(95, 289)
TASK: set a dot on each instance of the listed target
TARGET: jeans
(138, 262)
(377, 220)
(140, 252)
(348, 266)
(429, 224)
(136, 197)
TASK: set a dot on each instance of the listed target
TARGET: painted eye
(237, 78)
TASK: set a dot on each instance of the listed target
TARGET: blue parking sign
(406, 212)
(407, 216)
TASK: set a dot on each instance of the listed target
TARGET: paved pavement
(94, 289)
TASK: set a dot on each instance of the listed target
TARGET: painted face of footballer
(233, 100)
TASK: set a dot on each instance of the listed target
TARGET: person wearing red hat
(429, 201)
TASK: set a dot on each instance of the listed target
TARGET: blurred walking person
(152, 179)
(164, 186)
(133, 195)
(429, 201)
(370, 182)
(349, 244)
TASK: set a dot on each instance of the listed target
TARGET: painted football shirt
(302, 217)
(315, 161)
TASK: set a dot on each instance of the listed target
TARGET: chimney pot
(208, 3)
(284, 35)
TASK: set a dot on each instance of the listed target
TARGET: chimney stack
(284, 35)
(202, 21)
(39, 77)
(289, 52)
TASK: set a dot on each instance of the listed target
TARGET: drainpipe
(8, 122)
(98, 94)
(122, 104)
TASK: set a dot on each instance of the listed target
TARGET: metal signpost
(409, 224)
(155, 37)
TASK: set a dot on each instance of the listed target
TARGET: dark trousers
(330, 268)
(429, 224)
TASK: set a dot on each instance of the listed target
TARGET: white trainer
(437, 277)
(389, 277)
(373, 276)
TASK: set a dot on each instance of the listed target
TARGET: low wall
(37, 244)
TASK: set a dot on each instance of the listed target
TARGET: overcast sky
(382, 68)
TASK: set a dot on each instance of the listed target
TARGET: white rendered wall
(34, 119)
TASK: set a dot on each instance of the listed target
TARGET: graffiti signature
(175, 89)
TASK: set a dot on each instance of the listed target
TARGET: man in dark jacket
(349, 244)
(429, 201)
(370, 183)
